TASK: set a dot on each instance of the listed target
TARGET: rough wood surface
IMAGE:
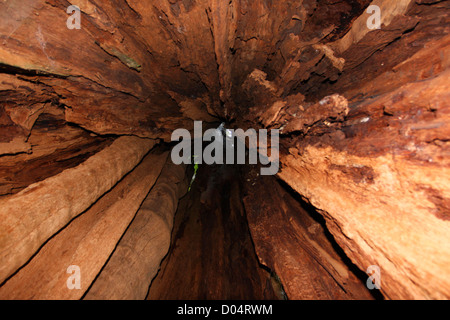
(289, 241)
(212, 255)
(376, 163)
(137, 257)
(125, 71)
(384, 186)
(379, 170)
(30, 217)
(363, 113)
(87, 241)
(54, 147)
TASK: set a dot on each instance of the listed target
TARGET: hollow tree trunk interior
(93, 206)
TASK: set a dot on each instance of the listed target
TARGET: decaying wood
(384, 186)
(30, 217)
(376, 163)
(87, 241)
(292, 244)
(54, 147)
(212, 256)
(138, 255)
(363, 115)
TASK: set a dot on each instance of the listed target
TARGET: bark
(137, 257)
(87, 241)
(295, 246)
(363, 116)
(212, 256)
(30, 217)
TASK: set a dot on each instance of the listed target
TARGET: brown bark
(295, 246)
(363, 116)
(137, 257)
(87, 241)
(383, 187)
(30, 217)
(212, 256)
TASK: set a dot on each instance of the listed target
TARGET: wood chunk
(137, 258)
(15, 146)
(87, 241)
(333, 108)
(29, 218)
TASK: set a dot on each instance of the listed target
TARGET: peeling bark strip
(30, 217)
(138, 255)
(87, 242)
(390, 10)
